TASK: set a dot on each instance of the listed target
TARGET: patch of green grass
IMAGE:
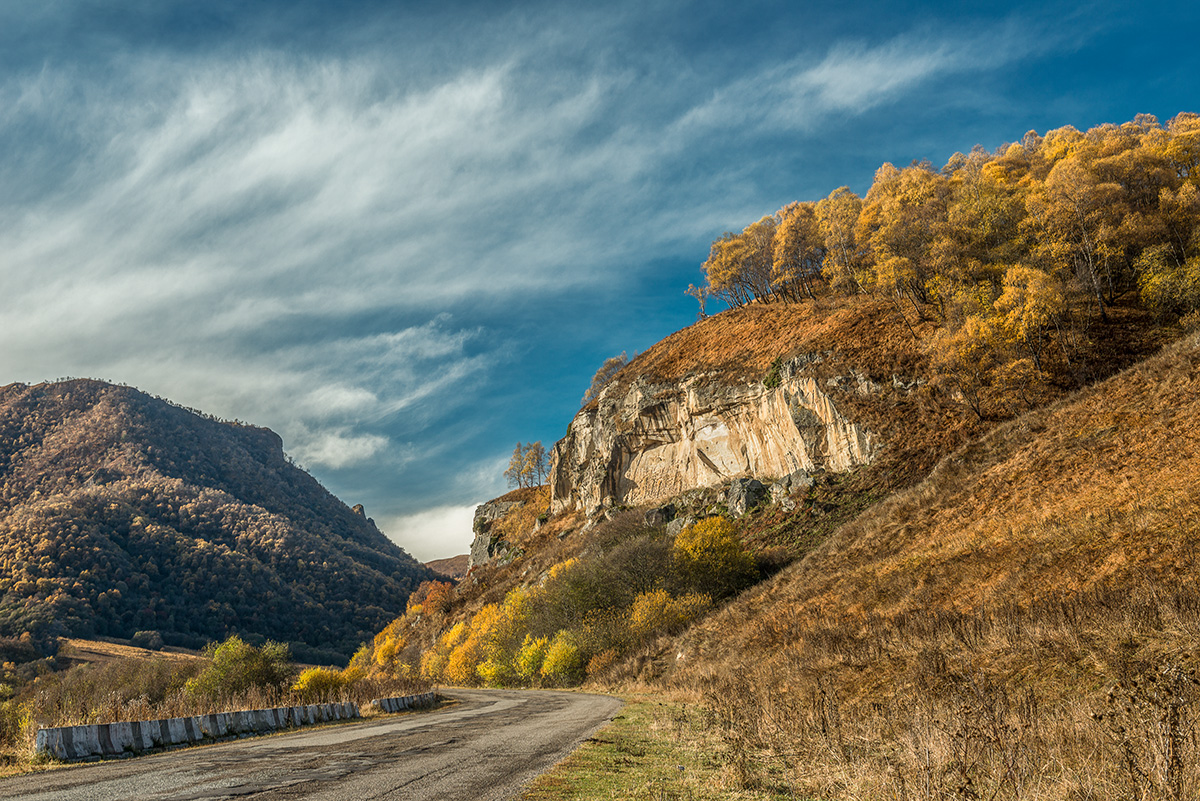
(654, 750)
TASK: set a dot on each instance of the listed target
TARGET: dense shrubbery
(578, 619)
(236, 667)
(235, 675)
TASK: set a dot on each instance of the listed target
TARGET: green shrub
(321, 685)
(238, 667)
(150, 640)
(773, 378)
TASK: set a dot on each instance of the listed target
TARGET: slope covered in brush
(1093, 493)
(1031, 604)
(120, 512)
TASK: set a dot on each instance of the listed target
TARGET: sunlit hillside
(1041, 575)
(122, 513)
(1000, 602)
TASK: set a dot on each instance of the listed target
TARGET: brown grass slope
(1024, 623)
(1095, 491)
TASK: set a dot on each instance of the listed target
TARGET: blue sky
(404, 235)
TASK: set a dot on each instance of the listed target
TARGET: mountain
(122, 512)
(454, 567)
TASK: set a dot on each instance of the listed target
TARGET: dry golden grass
(518, 525)
(741, 343)
(956, 640)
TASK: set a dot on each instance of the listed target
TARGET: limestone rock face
(486, 547)
(744, 494)
(648, 442)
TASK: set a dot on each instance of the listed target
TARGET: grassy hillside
(1022, 623)
(120, 512)
(1000, 605)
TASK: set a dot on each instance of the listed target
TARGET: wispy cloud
(307, 241)
(854, 77)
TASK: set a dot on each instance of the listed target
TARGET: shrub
(601, 662)
(531, 656)
(711, 560)
(238, 667)
(564, 663)
(658, 613)
(433, 661)
(322, 685)
(150, 640)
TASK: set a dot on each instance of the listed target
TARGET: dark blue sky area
(404, 235)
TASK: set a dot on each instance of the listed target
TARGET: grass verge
(657, 749)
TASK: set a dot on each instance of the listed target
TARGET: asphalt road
(485, 747)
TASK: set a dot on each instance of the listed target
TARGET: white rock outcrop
(648, 442)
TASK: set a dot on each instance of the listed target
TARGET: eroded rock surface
(486, 546)
(649, 442)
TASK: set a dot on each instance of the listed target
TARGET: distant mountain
(121, 512)
(454, 567)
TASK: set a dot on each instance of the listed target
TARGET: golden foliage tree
(712, 559)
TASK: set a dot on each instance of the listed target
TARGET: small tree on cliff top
(529, 465)
(605, 374)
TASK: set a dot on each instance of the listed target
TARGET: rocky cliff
(644, 441)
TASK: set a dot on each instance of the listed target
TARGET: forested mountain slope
(120, 512)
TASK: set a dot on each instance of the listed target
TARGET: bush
(711, 560)
(658, 613)
(322, 685)
(150, 640)
(564, 662)
(531, 656)
(238, 667)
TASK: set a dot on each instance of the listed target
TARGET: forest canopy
(1012, 253)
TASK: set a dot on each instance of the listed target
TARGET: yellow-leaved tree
(711, 559)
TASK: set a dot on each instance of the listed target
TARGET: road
(485, 747)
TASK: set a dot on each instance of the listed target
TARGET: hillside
(1088, 496)
(916, 516)
(1039, 584)
(120, 512)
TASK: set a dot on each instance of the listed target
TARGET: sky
(404, 235)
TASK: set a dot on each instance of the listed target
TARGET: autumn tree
(901, 215)
(798, 251)
(606, 373)
(739, 266)
(837, 218)
(529, 465)
(1078, 217)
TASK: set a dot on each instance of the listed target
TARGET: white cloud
(333, 449)
(433, 534)
(852, 78)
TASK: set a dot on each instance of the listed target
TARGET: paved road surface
(484, 747)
